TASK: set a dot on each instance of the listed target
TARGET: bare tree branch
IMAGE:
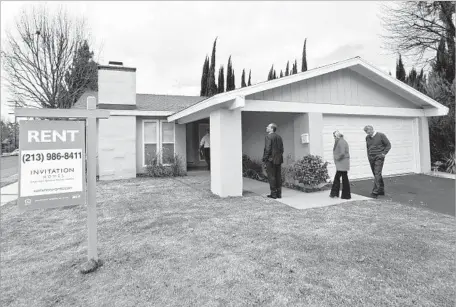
(40, 53)
(416, 28)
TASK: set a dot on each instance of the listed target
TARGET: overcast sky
(168, 41)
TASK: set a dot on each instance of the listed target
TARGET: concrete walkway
(298, 199)
(9, 193)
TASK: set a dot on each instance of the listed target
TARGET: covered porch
(237, 128)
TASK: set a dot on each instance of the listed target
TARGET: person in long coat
(341, 154)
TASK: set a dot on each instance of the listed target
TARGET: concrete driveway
(433, 193)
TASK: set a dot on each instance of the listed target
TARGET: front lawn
(169, 242)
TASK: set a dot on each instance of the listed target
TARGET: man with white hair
(378, 147)
(273, 158)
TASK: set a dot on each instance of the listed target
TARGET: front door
(201, 132)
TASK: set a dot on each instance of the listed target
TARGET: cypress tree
(304, 57)
(400, 70)
(271, 73)
(287, 69)
(211, 85)
(281, 74)
(233, 80)
(204, 76)
(243, 84)
(274, 76)
(221, 81)
(441, 63)
(250, 77)
(412, 78)
(229, 73)
(295, 68)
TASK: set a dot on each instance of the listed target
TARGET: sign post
(92, 135)
(52, 168)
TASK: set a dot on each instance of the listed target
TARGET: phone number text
(40, 157)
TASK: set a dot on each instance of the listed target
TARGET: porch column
(300, 126)
(424, 146)
(315, 133)
(226, 152)
(311, 123)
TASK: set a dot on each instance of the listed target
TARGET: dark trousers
(376, 163)
(274, 172)
(207, 157)
(345, 185)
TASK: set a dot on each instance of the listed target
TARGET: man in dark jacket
(273, 158)
(378, 147)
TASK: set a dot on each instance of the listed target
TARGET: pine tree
(281, 74)
(287, 69)
(400, 70)
(204, 76)
(83, 75)
(274, 75)
(243, 79)
(250, 78)
(221, 80)
(233, 80)
(304, 57)
(211, 85)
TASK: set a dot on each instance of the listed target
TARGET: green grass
(170, 242)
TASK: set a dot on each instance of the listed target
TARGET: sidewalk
(9, 193)
(298, 199)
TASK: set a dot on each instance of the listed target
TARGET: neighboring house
(307, 107)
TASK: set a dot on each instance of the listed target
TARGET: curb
(442, 175)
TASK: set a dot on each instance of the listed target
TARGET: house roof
(357, 64)
(150, 102)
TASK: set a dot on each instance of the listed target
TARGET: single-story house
(307, 107)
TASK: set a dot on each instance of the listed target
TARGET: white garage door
(402, 133)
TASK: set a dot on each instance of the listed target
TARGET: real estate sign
(52, 164)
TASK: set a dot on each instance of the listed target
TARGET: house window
(150, 141)
(158, 142)
(167, 142)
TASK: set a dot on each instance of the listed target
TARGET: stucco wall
(254, 130)
(116, 87)
(117, 147)
(343, 87)
(181, 143)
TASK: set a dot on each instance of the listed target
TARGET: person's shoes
(345, 198)
(333, 196)
(279, 196)
(373, 195)
(381, 193)
(272, 196)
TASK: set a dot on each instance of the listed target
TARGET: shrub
(252, 168)
(175, 168)
(450, 163)
(311, 170)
